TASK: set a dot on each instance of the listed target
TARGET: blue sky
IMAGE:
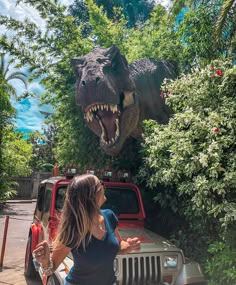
(28, 110)
(29, 117)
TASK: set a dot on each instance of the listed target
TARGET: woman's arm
(43, 256)
(131, 244)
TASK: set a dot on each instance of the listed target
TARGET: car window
(60, 196)
(46, 204)
(47, 201)
(40, 199)
(121, 201)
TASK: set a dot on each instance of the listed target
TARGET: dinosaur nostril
(97, 79)
(83, 83)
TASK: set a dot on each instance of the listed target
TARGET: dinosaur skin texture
(116, 97)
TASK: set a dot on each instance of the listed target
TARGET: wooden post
(56, 170)
(4, 242)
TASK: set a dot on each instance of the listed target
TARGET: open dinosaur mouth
(107, 117)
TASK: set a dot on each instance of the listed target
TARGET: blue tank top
(94, 265)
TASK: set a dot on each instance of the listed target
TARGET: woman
(90, 234)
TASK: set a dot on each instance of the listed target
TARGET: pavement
(20, 214)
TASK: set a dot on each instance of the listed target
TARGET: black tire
(52, 280)
(29, 270)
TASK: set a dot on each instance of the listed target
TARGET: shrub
(194, 156)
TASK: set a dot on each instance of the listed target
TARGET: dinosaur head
(106, 94)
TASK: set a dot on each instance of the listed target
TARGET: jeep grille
(140, 269)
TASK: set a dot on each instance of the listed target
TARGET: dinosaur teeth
(106, 107)
(113, 108)
(89, 116)
(92, 112)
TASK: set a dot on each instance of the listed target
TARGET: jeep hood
(150, 242)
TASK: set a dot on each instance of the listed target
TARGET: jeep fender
(36, 235)
(190, 273)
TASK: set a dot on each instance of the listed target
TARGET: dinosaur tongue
(108, 120)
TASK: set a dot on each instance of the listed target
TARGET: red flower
(162, 95)
(168, 92)
(219, 72)
(216, 130)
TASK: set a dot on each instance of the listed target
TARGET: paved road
(13, 264)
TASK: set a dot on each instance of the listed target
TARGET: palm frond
(19, 76)
(222, 18)
(6, 69)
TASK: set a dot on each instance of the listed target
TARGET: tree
(224, 23)
(7, 112)
(43, 145)
(16, 155)
(7, 74)
(135, 12)
(193, 157)
(226, 20)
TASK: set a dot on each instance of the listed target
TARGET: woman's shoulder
(107, 212)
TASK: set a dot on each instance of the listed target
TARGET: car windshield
(121, 201)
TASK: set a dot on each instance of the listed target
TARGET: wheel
(52, 280)
(29, 270)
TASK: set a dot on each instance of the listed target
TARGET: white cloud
(20, 12)
(165, 3)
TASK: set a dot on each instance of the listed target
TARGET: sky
(29, 118)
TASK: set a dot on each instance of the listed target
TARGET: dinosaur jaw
(104, 121)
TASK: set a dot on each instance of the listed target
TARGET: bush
(194, 156)
(221, 266)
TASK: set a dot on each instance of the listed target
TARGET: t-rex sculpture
(116, 97)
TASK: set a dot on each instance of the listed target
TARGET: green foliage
(196, 150)
(195, 153)
(224, 22)
(43, 145)
(13, 151)
(155, 39)
(135, 12)
(221, 264)
(115, 30)
(16, 153)
(15, 161)
(197, 32)
(76, 144)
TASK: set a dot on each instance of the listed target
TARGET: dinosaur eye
(100, 60)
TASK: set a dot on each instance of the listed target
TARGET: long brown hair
(80, 207)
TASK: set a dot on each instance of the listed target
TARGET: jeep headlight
(170, 261)
(116, 266)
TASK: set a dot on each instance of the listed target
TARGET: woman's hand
(134, 243)
(131, 244)
(128, 245)
(42, 253)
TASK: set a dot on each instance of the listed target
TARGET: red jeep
(158, 261)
